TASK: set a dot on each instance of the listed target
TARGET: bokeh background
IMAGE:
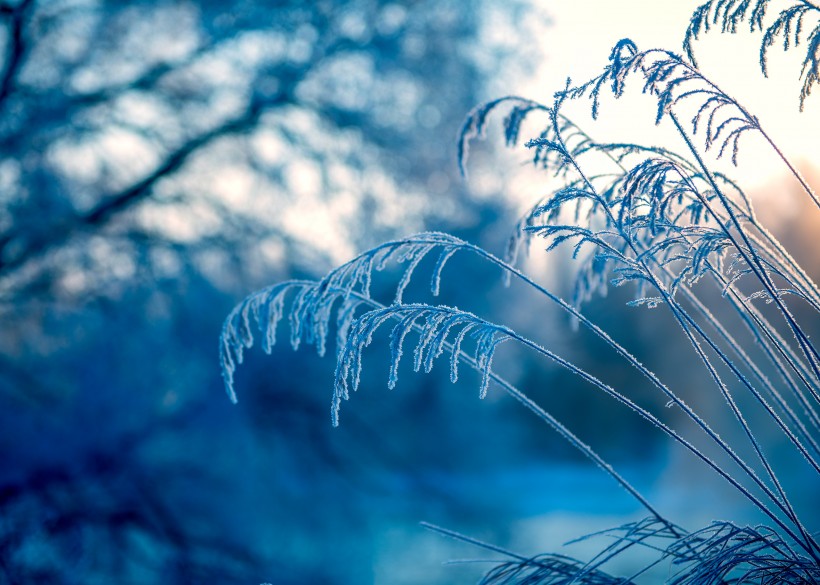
(160, 160)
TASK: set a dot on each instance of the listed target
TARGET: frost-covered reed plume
(663, 220)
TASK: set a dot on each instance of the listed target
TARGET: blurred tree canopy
(157, 160)
(138, 135)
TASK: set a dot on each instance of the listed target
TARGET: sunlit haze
(584, 31)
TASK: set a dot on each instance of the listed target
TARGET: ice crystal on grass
(788, 27)
(434, 326)
(657, 219)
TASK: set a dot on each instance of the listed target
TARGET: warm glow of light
(584, 31)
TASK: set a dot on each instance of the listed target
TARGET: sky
(583, 32)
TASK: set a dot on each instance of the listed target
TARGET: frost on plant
(665, 222)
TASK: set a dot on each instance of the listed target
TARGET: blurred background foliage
(158, 161)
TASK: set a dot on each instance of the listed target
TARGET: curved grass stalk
(688, 325)
(267, 329)
(666, 100)
(643, 237)
(792, 359)
(732, 343)
(647, 373)
(751, 120)
(757, 324)
(369, 322)
(754, 262)
(782, 262)
(634, 61)
(735, 347)
(686, 322)
(782, 502)
(812, 289)
(245, 339)
(717, 99)
(772, 245)
(747, 361)
(726, 286)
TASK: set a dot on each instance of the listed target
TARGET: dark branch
(17, 47)
(115, 204)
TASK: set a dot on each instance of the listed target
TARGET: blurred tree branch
(113, 204)
(16, 47)
(157, 158)
(347, 81)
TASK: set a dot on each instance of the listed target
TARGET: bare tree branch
(17, 49)
(114, 204)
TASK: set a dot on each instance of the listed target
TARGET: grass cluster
(670, 224)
